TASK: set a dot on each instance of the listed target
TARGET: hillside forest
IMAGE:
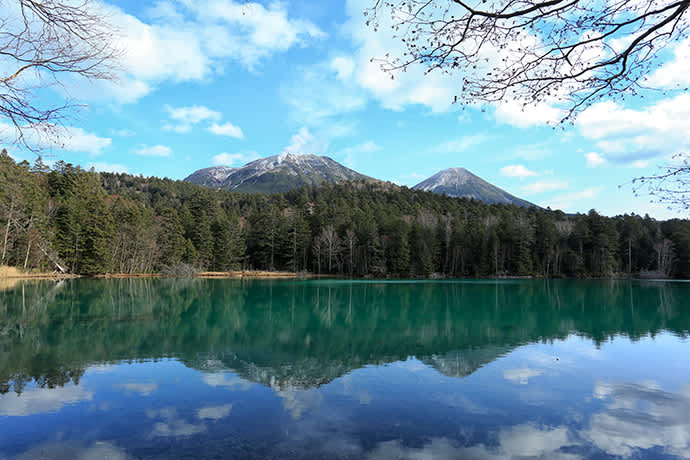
(68, 219)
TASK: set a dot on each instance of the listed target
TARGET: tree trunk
(7, 231)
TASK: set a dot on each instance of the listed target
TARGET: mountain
(460, 182)
(277, 173)
(213, 177)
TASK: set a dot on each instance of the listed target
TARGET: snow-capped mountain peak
(279, 173)
(459, 182)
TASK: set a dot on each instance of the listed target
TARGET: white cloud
(298, 401)
(225, 380)
(77, 140)
(343, 67)
(191, 41)
(519, 442)
(186, 117)
(154, 151)
(434, 90)
(322, 93)
(674, 73)
(521, 376)
(171, 425)
(524, 116)
(351, 153)
(568, 201)
(594, 159)
(65, 450)
(627, 135)
(544, 186)
(461, 144)
(518, 171)
(229, 159)
(67, 138)
(215, 412)
(305, 142)
(42, 400)
(144, 389)
(226, 129)
(108, 167)
(641, 417)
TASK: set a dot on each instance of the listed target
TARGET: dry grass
(9, 272)
(15, 273)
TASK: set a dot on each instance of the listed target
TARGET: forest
(72, 220)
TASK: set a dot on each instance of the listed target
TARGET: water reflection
(165, 369)
(307, 334)
(641, 417)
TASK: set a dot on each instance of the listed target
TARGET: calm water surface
(220, 369)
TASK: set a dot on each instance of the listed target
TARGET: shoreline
(10, 274)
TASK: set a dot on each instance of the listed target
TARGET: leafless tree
(570, 53)
(671, 186)
(43, 42)
(665, 256)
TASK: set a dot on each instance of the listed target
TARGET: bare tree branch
(671, 186)
(41, 43)
(568, 53)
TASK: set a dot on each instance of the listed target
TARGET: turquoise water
(216, 369)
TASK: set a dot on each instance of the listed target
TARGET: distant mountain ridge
(277, 173)
(461, 183)
(287, 171)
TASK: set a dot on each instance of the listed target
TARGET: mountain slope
(213, 177)
(459, 182)
(279, 173)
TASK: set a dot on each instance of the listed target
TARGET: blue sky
(215, 82)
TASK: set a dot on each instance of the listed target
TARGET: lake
(229, 369)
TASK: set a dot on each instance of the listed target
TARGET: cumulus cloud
(675, 73)
(184, 118)
(42, 400)
(297, 402)
(67, 138)
(519, 442)
(518, 114)
(518, 171)
(594, 159)
(229, 159)
(69, 451)
(154, 151)
(626, 136)
(640, 417)
(144, 389)
(351, 153)
(226, 380)
(305, 142)
(226, 129)
(323, 92)
(348, 81)
(192, 41)
(343, 66)
(569, 201)
(214, 412)
(172, 425)
(521, 375)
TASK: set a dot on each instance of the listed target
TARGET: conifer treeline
(89, 223)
